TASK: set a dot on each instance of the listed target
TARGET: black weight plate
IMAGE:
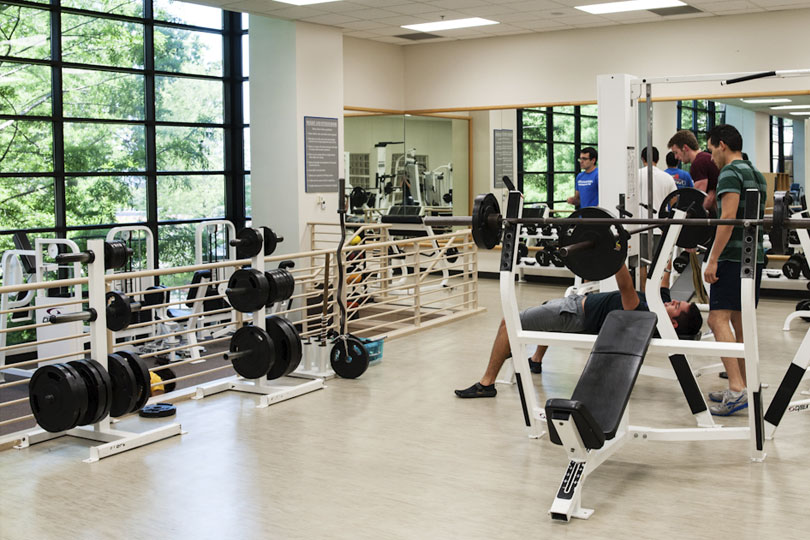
(124, 385)
(106, 388)
(278, 282)
(142, 377)
(167, 376)
(485, 235)
(249, 243)
(609, 249)
(247, 290)
(119, 312)
(792, 268)
(116, 254)
(452, 255)
(271, 240)
(690, 200)
(58, 397)
(158, 410)
(349, 359)
(522, 251)
(96, 392)
(556, 260)
(542, 257)
(157, 295)
(284, 347)
(293, 342)
(262, 355)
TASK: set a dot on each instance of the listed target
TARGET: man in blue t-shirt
(682, 178)
(587, 182)
(581, 315)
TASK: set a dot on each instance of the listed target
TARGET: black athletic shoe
(536, 367)
(477, 390)
(723, 375)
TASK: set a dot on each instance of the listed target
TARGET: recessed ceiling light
(766, 100)
(800, 113)
(449, 25)
(631, 5)
(783, 107)
(305, 2)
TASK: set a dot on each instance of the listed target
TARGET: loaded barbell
(116, 254)
(249, 242)
(119, 312)
(594, 241)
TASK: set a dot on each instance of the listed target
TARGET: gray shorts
(559, 315)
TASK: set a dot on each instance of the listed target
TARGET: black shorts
(725, 292)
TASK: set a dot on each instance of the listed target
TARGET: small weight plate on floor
(124, 385)
(142, 378)
(283, 346)
(349, 360)
(158, 410)
(247, 290)
(261, 348)
(96, 392)
(58, 397)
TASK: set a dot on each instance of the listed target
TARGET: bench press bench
(593, 423)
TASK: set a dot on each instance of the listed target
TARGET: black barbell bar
(88, 315)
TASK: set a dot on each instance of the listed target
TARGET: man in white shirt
(663, 185)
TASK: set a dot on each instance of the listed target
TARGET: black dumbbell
(116, 254)
(792, 268)
(680, 262)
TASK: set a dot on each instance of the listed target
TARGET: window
(549, 143)
(97, 126)
(782, 145)
(699, 116)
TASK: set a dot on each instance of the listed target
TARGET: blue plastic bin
(375, 350)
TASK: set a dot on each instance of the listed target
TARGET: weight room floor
(395, 455)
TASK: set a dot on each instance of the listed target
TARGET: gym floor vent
(418, 36)
(678, 10)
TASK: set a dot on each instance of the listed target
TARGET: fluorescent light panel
(800, 113)
(766, 100)
(449, 25)
(305, 2)
(784, 107)
(631, 5)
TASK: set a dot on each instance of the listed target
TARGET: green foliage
(89, 148)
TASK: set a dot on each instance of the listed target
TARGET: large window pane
(189, 149)
(246, 102)
(589, 131)
(534, 187)
(106, 199)
(248, 197)
(104, 147)
(245, 55)
(185, 51)
(25, 89)
(564, 126)
(176, 245)
(565, 158)
(564, 187)
(26, 203)
(26, 146)
(188, 100)
(89, 40)
(102, 94)
(25, 32)
(133, 8)
(589, 110)
(535, 157)
(183, 13)
(190, 197)
(246, 135)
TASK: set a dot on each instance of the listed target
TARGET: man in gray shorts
(581, 315)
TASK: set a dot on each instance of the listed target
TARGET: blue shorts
(725, 292)
(558, 315)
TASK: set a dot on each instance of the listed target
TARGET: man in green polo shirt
(723, 268)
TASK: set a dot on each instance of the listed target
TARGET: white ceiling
(381, 20)
(766, 107)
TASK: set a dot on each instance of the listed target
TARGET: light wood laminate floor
(395, 455)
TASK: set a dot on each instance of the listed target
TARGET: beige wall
(373, 74)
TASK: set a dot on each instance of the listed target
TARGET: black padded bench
(603, 389)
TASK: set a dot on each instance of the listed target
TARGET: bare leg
(736, 322)
(539, 352)
(500, 352)
(720, 324)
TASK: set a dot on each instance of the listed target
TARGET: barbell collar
(89, 315)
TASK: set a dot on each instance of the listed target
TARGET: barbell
(119, 312)
(593, 242)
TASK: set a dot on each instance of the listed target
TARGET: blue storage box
(374, 348)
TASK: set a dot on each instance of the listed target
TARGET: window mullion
(149, 109)
(58, 123)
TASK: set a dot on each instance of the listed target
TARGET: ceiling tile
(371, 13)
(413, 8)
(487, 11)
(297, 12)
(457, 4)
(332, 19)
(378, 3)
(400, 20)
(533, 5)
(361, 34)
(541, 24)
(363, 25)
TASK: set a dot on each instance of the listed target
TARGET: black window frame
(233, 123)
(782, 157)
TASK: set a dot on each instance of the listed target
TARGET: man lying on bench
(584, 315)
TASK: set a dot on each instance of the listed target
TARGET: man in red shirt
(704, 172)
